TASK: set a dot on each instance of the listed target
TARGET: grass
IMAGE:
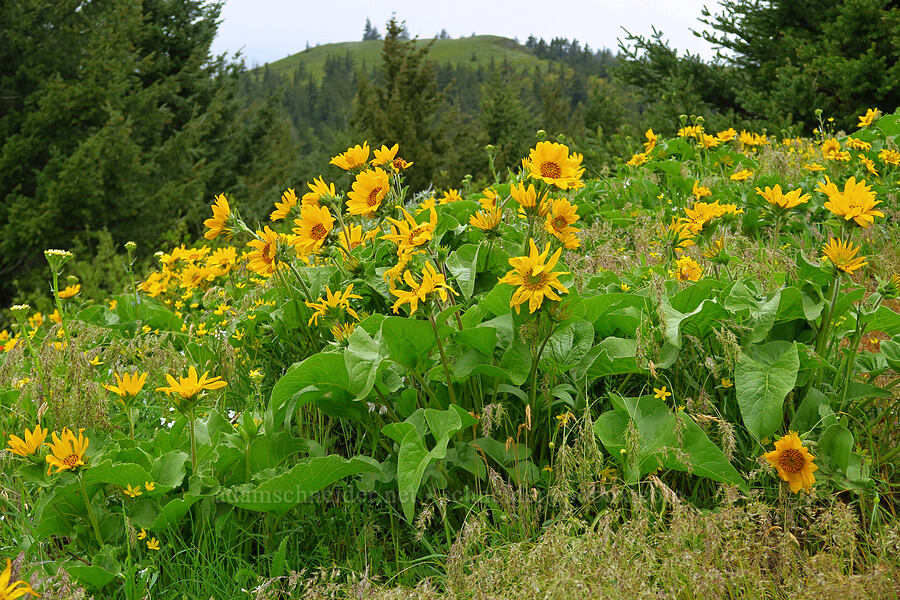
(476, 50)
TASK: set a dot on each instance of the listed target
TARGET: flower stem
(443, 360)
(59, 308)
(193, 445)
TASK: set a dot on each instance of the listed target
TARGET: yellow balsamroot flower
(313, 226)
(11, 590)
(889, 157)
(432, 282)
(354, 157)
(637, 160)
(491, 199)
(741, 175)
(486, 220)
(70, 292)
(709, 141)
(409, 234)
(127, 384)
(551, 162)
(333, 303)
(694, 131)
(813, 167)
(67, 452)
(868, 163)
(858, 144)
(368, 191)
(262, 259)
(31, 443)
(218, 223)
(869, 118)
(687, 269)
(318, 189)
(560, 218)
(283, 209)
(778, 199)
(450, 196)
(342, 331)
(793, 462)
(843, 255)
(727, 135)
(221, 260)
(527, 198)
(188, 387)
(752, 139)
(535, 277)
(700, 191)
(132, 492)
(352, 237)
(385, 155)
(651, 140)
(829, 148)
(856, 201)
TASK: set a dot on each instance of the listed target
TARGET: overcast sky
(267, 30)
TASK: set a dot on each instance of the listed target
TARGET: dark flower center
(791, 460)
(373, 196)
(318, 232)
(551, 170)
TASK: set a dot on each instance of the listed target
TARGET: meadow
(679, 379)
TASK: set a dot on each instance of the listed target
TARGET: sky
(268, 30)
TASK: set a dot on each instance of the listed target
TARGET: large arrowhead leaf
(282, 493)
(763, 377)
(408, 340)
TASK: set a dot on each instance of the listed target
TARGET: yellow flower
(687, 269)
(134, 492)
(342, 331)
(868, 163)
(318, 189)
(70, 291)
(127, 384)
(624, 287)
(727, 135)
(354, 157)
(889, 157)
(661, 393)
(552, 163)
(527, 198)
(313, 226)
(560, 218)
(149, 486)
(564, 418)
(153, 544)
(741, 175)
(368, 191)
(777, 199)
(726, 383)
(535, 277)
(700, 191)
(752, 139)
(31, 443)
(829, 148)
(190, 386)
(491, 199)
(432, 282)
(218, 222)
(353, 237)
(813, 167)
(284, 208)
(262, 259)
(637, 160)
(409, 234)
(385, 155)
(142, 535)
(869, 118)
(450, 196)
(333, 301)
(858, 144)
(10, 590)
(709, 141)
(651, 140)
(856, 201)
(793, 462)
(486, 220)
(693, 131)
(67, 452)
(843, 255)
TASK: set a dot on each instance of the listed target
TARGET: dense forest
(118, 124)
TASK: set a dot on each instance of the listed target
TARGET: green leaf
(91, 576)
(890, 349)
(664, 439)
(409, 341)
(807, 415)
(568, 346)
(463, 264)
(269, 450)
(612, 356)
(282, 493)
(172, 513)
(363, 357)
(763, 377)
(885, 320)
(276, 569)
(482, 338)
(835, 446)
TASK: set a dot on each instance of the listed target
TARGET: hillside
(479, 49)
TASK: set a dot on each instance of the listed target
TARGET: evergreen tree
(369, 32)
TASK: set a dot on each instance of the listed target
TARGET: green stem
(59, 308)
(193, 445)
(443, 360)
(90, 510)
